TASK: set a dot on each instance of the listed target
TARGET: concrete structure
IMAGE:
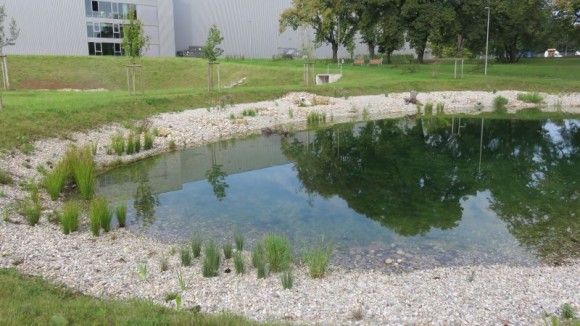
(83, 27)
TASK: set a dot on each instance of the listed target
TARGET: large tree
(421, 19)
(333, 21)
(380, 24)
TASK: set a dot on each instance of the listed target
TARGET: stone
(388, 261)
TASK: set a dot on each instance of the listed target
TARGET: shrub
(69, 221)
(185, 255)
(227, 247)
(55, 180)
(83, 168)
(147, 141)
(5, 178)
(499, 103)
(121, 212)
(100, 215)
(287, 279)
(118, 144)
(278, 252)
(530, 98)
(317, 260)
(196, 242)
(239, 264)
(211, 260)
(239, 240)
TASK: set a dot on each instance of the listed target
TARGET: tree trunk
(389, 57)
(420, 55)
(334, 51)
(459, 46)
(371, 46)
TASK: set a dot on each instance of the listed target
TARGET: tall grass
(211, 260)
(121, 212)
(196, 242)
(83, 167)
(428, 108)
(118, 143)
(530, 98)
(31, 206)
(315, 118)
(147, 141)
(227, 248)
(5, 178)
(499, 103)
(55, 180)
(239, 263)
(100, 215)
(317, 260)
(287, 279)
(239, 240)
(278, 252)
(130, 145)
(69, 220)
(259, 260)
(137, 143)
(185, 255)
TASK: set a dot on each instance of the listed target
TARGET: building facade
(88, 27)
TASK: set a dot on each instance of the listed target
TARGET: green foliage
(118, 144)
(181, 281)
(211, 260)
(172, 145)
(530, 98)
(568, 312)
(499, 103)
(32, 209)
(315, 118)
(143, 271)
(5, 178)
(121, 212)
(185, 255)
(291, 113)
(239, 240)
(163, 264)
(83, 168)
(429, 108)
(227, 247)
(69, 220)
(134, 39)
(287, 279)
(55, 180)
(101, 215)
(440, 108)
(278, 252)
(137, 143)
(171, 296)
(210, 50)
(195, 243)
(317, 260)
(249, 113)
(130, 145)
(147, 141)
(239, 263)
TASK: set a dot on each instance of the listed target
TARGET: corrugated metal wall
(166, 28)
(48, 27)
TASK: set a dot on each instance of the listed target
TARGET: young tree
(6, 39)
(134, 39)
(210, 50)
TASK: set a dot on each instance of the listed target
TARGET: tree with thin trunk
(6, 40)
(135, 42)
(211, 52)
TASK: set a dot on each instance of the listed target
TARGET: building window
(95, 5)
(107, 9)
(105, 48)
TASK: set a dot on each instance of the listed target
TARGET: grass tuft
(118, 144)
(239, 240)
(428, 108)
(211, 260)
(5, 178)
(287, 279)
(100, 215)
(227, 247)
(499, 103)
(164, 264)
(121, 212)
(530, 98)
(278, 252)
(239, 264)
(440, 108)
(259, 260)
(185, 255)
(130, 145)
(317, 260)
(83, 167)
(55, 180)
(196, 242)
(69, 220)
(315, 118)
(147, 141)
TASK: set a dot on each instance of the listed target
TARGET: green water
(438, 191)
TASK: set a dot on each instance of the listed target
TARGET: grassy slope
(174, 84)
(32, 301)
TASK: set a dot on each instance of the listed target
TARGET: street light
(487, 39)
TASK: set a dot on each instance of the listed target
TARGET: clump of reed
(428, 108)
(239, 240)
(147, 141)
(499, 103)
(5, 178)
(211, 260)
(31, 206)
(317, 259)
(196, 242)
(278, 252)
(440, 107)
(239, 264)
(287, 279)
(69, 219)
(185, 255)
(228, 250)
(121, 212)
(249, 113)
(118, 143)
(314, 118)
(83, 170)
(130, 149)
(100, 216)
(55, 180)
(530, 97)
(259, 260)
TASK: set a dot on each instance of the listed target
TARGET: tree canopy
(9, 38)
(210, 50)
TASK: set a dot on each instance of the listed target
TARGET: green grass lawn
(173, 84)
(32, 301)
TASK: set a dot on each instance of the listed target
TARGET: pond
(421, 192)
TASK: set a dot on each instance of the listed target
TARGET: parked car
(577, 53)
(552, 53)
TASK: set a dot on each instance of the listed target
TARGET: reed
(239, 264)
(317, 260)
(196, 242)
(118, 144)
(211, 260)
(228, 250)
(287, 279)
(147, 141)
(99, 208)
(239, 240)
(130, 145)
(185, 255)
(121, 212)
(83, 167)
(55, 180)
(278, 252)
(69, 220)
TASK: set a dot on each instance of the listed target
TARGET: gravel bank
(109, 265)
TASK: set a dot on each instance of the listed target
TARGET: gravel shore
(108, 266)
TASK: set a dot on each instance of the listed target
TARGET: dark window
(95, 5)
(91, 48)
(98, 48)
(106, 30)
(118, 49)
(108, 49)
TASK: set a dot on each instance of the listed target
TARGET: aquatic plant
(83, 168)
(211, 260)
(428, 108)
(69, 220)
(278, 252)
(163, 264)
(172, 145)
(317, 259)
(499, 103)
(121, 212)
(530, 98)
(130, 145)
(118, 143)
(287, 279)
(440, 108)
(147, 141)
(227, 248)
(196, 242)
(239, 264)
(239, 240)
(55, 180)
(100, 213)
(314, 118)
(137, 143)
(185, 255)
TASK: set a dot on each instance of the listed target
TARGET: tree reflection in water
(145, 202)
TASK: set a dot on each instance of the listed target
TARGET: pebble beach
(109, 265)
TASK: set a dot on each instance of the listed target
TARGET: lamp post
(487, 40)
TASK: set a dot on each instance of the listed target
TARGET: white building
(94, 27)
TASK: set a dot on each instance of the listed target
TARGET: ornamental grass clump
(121, 212)
(530, 98)
(69, 220)
(278, 252)
(55, 180)
(83, 168)
(5, 178)
(499, 103)
(100, 215)
(228, 250)
(317, 260)
(147, 141)
(196, 242)
(137, 143)
(32, 207)
(211, 260)
(239, 264)
(287, 279)
(428, 108)
(185, 255)
(118, 144)
(130, 145)
(239, 240)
